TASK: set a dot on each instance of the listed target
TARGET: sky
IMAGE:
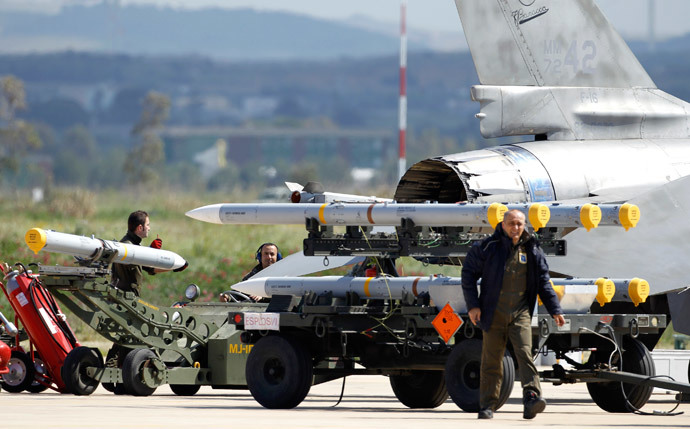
(628, 16)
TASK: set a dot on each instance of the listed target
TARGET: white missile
(441, 289)
(382, 287)
(386, 214)
(314, 193)
(125, 253)
(575, 295)
(391, 214)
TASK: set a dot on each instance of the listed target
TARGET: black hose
(342, 391)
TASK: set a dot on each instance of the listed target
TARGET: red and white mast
(402, 109)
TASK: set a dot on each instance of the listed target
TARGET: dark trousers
(515, 327)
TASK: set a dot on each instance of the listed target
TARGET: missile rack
(428, 244)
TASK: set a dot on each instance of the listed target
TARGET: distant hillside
(218, 33)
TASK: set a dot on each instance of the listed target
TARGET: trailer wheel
(462, 375)
(610, 396)
(133, 368)
(114, 359)
(73, 371)
(40, 372)
(185, 389)
(279, 372)
(421, 389)
(21, 373)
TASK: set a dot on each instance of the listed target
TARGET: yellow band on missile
(590, 216)
(606, 289)
(366, 286)
(539, 216)
(495, 213)
(629, 215)
(638, 290)
(36, 239)
(322, 219)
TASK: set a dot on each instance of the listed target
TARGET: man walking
(513, 271)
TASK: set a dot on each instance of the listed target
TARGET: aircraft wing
(618, 195)
(656, 250)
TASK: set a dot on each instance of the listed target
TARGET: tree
(155, 112)
(80, 140)
(75, 158)
(13, 97)
(16, 136)
(147, 157)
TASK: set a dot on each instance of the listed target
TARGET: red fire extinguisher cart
(50, 336)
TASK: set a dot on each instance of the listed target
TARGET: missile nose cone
(178, 262)
(210, 214)
(629, 215)
(539, 216)
(590, 216)
(36, 239)
(252, 287)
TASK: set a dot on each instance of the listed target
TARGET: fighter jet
(597, 129)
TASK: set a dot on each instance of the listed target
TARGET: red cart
(50, 336)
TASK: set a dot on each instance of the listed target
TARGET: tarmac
(368, 402)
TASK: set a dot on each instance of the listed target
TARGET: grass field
(218, 255)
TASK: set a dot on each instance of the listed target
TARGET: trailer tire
(135, 362)
(421, 389)
(115, 356)
(40, 370)
(73, 370)
(610, 396)
(185, 389)
(462, 375)
(21, 373)
(279, 372)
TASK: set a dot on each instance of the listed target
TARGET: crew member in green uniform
(129, 277)
(513, 271)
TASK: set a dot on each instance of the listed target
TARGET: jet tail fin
(548, 43)
(559, 69)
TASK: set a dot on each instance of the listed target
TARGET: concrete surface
(368, 403)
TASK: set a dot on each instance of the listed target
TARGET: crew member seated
(267, 254)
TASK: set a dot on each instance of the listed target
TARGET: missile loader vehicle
(319, 337)
(415, 330)
(186, 345)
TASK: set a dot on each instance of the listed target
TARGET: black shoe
(486, 413)
(533, 405)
